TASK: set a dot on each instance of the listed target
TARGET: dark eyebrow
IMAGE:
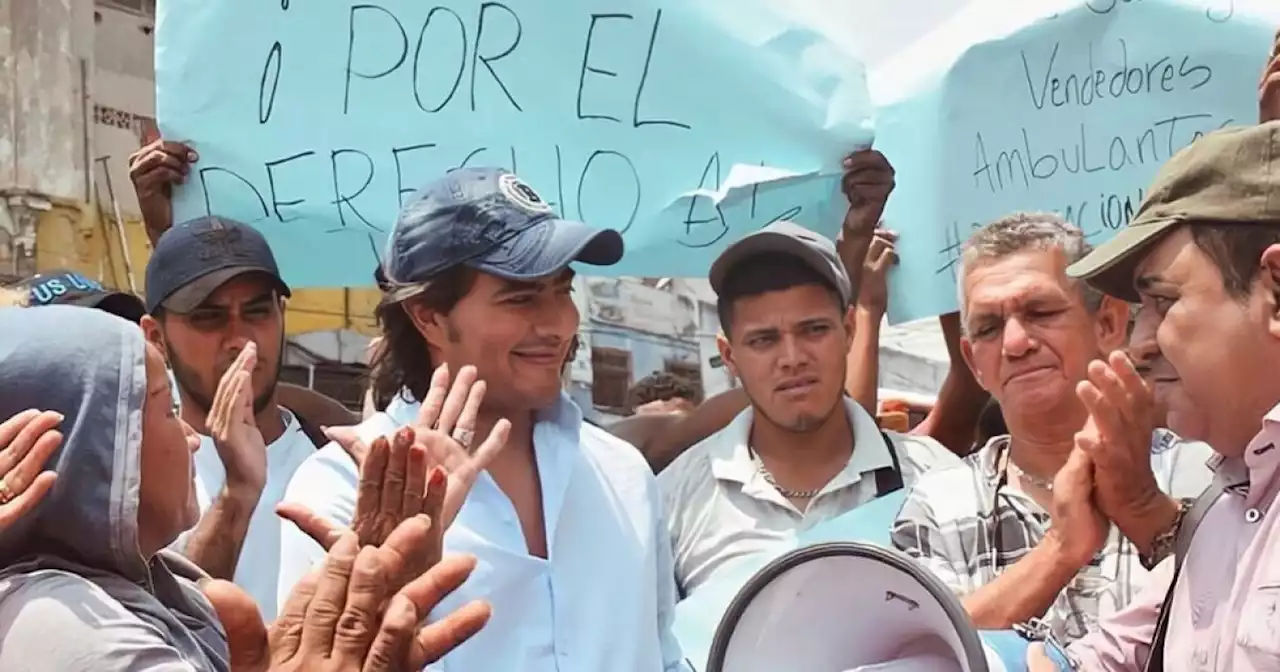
(514, 286)
(267, 297)
(1144, 283)
(815, 322)
(761, 331)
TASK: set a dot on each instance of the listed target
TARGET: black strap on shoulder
(312, 430)
(889, 479)
(1187, 529)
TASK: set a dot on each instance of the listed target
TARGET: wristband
(1037, 631)
(1164, 543)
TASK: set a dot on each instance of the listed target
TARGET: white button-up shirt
(721, 509)
(604, 598)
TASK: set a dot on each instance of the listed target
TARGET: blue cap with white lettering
(74, 289)
(490, 220)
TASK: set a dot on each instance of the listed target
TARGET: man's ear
(850, 324)
(154, 334)
(428, 322)
(966, 351)
(726, 354)
(1111, 324)
(1269, 277)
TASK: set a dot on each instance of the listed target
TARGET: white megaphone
(852, 607)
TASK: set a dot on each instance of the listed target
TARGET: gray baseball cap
(816, 251)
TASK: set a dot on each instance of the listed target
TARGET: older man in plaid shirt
(991, 528)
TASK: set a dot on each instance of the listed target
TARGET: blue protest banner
(682, 123)
(698, 615)
(1062, 105)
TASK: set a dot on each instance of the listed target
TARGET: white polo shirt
(603, 600)
(258, 569)
(719, 508)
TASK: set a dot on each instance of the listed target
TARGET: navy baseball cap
(784, 237)
(193, 259)
(490, 220)
(68, 288)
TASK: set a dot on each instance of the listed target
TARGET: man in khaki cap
(1202, 257)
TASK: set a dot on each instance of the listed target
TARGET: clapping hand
(27, 440)
(425, 469)
(347, 617)
(234, 428)
(1117, 436)
(1079, 528)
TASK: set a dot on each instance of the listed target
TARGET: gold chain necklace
(785, 492)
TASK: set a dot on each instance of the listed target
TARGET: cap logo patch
(522, 195)
(220, 241)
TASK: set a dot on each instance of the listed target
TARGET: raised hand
(425, 469)
(154, 170)
(384, 501)
(446, 432)
(873, 291)
(1117, 438)
(27, 440)
(868, 180)
(233, 427)
(1117, 435)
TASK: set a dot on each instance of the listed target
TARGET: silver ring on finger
(464, 437)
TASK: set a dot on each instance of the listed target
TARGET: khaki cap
(1228, 176)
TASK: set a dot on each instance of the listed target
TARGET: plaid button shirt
(967, 524)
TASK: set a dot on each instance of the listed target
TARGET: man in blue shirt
(565, 520)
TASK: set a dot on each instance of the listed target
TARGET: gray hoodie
(76, 593)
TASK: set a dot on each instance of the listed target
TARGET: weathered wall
(45, 56)
(124, 101)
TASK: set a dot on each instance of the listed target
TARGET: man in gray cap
(803, 452)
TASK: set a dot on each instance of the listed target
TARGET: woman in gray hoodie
(86, 582)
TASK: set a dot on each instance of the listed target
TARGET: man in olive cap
(1202, 258)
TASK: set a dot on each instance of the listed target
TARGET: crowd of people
(1100, 465)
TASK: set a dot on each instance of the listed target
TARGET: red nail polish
(436, 477)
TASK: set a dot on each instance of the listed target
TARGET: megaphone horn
(846, 607)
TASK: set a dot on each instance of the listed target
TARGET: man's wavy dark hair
(402, 361)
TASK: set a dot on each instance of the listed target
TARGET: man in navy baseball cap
(216, 305)
(193, 259)
(476, 277)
